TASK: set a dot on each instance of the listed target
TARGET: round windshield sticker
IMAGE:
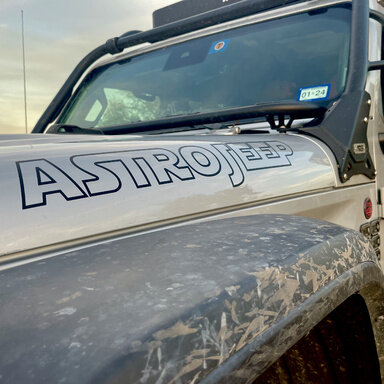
(219, 46)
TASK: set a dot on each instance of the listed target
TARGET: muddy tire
(341, 349)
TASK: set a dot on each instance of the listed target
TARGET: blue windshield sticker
(319, 92)
(219, 46)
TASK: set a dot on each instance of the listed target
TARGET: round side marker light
(367, 208)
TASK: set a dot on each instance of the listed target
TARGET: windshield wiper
(73, 130)
(270, 111)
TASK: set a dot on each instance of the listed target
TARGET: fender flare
(254, 358)
(185, 304)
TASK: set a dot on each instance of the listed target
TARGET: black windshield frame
(109, 128)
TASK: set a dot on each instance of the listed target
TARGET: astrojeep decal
(106, 173)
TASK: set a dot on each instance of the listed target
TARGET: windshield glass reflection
(297, 58)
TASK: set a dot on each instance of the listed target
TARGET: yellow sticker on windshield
(320, 92)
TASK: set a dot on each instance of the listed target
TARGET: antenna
(25, 81)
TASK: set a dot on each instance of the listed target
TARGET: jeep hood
(57, 189)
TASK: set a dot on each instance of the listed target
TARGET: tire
(341, 349)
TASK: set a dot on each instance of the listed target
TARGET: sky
(58, 34)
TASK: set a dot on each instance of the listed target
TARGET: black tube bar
(358, 57)
(375, 15)
(375, 65)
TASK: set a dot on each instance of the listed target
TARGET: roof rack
(187, 8)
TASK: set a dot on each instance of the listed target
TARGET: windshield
(299, 58)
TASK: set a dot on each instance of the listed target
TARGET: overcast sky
(58, 34)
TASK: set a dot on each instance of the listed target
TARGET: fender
(195, 303)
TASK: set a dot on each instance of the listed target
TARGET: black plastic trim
(295, 110)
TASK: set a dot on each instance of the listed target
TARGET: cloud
(57, 36)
